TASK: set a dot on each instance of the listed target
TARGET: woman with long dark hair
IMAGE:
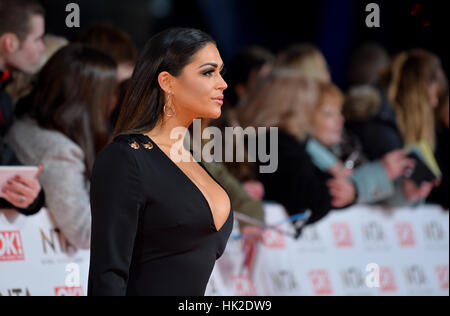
(158, 222)
(62, 126)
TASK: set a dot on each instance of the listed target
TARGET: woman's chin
(214, 115)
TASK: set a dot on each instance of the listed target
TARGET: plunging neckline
(205, 200)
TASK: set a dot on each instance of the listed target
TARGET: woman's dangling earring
(172, 112)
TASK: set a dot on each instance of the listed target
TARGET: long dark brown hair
(72, 94)
(170, 51)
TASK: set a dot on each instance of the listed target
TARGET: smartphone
(9, 172)
(421, 172)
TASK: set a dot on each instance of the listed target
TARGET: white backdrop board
(36, 260)
(360, 251)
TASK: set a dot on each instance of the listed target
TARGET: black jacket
(6, 106)
(7, 156)
(297, 184)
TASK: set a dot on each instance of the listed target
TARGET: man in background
(22, 27)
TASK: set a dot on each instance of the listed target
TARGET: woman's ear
(165, 81)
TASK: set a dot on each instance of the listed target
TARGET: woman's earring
(170, 112)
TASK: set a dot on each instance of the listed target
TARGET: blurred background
(353, 104)
(337, 27)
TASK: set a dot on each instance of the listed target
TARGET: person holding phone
(21, 31)
(336, 151)
(62, 125)
(408, 94)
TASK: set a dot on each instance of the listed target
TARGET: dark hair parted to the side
(72, 94)
(170, 51)
(15, 16)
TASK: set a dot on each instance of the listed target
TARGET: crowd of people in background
(60, 101)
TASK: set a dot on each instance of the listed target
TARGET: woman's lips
(218, 100)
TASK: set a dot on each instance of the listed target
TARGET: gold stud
(135, 145)
(148, 146)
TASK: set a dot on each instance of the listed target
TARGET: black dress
(153, 231)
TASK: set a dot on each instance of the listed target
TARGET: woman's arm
(372, 183)
(116, 201)
(66, 191)
(320, 156)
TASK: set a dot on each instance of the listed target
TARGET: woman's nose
(222, 84)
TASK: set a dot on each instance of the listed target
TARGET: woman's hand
(342, 191)
(397, 163)
(339, 171)
(254, 189)
(22, 192)
(414, 193)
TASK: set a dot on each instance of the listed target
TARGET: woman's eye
(208, 73)
(211, 72)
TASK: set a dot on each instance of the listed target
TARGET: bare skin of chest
(214, 194)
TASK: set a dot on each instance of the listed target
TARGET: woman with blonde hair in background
(306, 58)
(285, 99)
(339, 153)
(416, 83)
(405, 117)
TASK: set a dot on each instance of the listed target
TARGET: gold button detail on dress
(135, 145)
(148, 146)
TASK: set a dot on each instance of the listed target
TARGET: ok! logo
(11, 247)
(68, 291)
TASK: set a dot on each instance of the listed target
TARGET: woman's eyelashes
(211, 71)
